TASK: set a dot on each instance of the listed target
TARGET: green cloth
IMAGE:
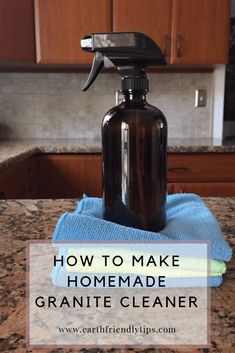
(189, 266)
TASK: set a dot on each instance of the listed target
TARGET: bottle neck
(134, 96)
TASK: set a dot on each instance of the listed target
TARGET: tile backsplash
(49, 105)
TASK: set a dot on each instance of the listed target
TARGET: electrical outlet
(200, 98)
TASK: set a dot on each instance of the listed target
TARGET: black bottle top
(129, 52)
(135, 83)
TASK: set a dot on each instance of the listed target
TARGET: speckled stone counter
(13, 151)
(22, 220)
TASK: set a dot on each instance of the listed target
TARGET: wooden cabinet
(60, 25)
(152, 17)
(200, 31)
(206, 189)
(170, 188)
(53, 176)
(205, 174)
(72, 175)
(201, 167)
(19, 181)
(69, 176)
(188, 31)
(17, 30)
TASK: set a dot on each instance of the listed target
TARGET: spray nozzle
(129, 52)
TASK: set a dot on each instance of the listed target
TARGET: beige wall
(53, 105)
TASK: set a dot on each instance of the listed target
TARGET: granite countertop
(13, 151)
(22, 220)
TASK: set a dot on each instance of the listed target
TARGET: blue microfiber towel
(188, 218)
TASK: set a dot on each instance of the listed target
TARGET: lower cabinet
(205, 174)
(69, 176)
(19, 181)
(72, 175)
(170, 188)
(206, 189)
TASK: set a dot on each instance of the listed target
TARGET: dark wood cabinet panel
(19, 181)
(170, 188)
(69, 176)
(152, 17)
(17, 41)
(206, 189)
(200, 31)
(205, 167)
(60, 25)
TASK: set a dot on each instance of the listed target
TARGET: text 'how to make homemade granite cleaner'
(134, 133)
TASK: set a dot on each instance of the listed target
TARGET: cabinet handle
(178, 46)
(178, 169)
(31, 177)
(166, 45)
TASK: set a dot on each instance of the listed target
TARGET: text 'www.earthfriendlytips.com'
(131, 329)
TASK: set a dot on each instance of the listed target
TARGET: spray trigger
(98, 63)
(128, 52)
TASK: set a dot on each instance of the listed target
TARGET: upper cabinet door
(60, 25)
(152, 17)
(17, 30)
(200, 31)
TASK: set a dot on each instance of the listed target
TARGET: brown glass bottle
(134, 139)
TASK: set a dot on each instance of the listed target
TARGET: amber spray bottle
(134, 133)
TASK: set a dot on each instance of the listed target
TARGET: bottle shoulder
(124, 112)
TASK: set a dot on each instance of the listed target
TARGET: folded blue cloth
(188, 218)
